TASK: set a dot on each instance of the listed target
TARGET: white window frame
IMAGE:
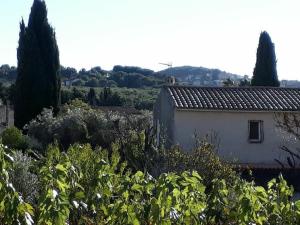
(260, 131)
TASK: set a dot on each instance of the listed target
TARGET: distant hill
(137, 77)
(198, 75)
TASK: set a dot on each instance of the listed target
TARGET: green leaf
(137, 187)
(176, 192)
(297, 204)
(79, 195)
(60, 167)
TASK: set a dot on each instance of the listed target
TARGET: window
(255, 131)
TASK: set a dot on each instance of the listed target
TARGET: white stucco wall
(232, 130)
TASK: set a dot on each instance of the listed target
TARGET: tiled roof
(235, 98)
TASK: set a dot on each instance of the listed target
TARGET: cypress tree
(92, 99)
(265, 72)
(38, 82)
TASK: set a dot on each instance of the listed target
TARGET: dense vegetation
(265, 72)
(38, 83)
(86, 164)
(85, 186)
(8, 73)
(105, 168)
(127, 97)
(198, 75)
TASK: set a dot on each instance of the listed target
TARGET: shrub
(13, 209)
(78, 123)
(92, 83)
(84, 186)
(202, 159)
(66, 129)
(13, 138)
(108, 98)
(22, 177)
(95, 190)
(66, 96)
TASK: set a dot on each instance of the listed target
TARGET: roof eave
(236, 110)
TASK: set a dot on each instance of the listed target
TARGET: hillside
(136, 77)
(198, 75)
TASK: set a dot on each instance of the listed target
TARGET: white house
(242, 118)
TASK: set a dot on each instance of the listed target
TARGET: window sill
(255, 141)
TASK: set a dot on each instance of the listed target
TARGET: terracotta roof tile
(235, 98)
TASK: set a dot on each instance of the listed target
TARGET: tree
(92, 83)
(228, 83)
(244, 83)
(79, 94)
(108, 98)
(38, 82)
(3, 93)
(92, 99)
(265, 72)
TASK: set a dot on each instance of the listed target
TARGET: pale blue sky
(211, 33)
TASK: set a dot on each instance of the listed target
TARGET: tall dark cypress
(38, 82)
(265, 72)
(92, 99)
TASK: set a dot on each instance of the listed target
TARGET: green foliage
(244, 83)
(78, 94)
(23, 178)
(38, 82)
(8, 73)
(133, 69)
(3, 92)
(202, 159)
(7, 93)
(108, 98)
(228, 83)
(243, 202)
(13, 138)
(78, 123)
(134, 80)
(54, 206)
(91, 97)
(265, 72)
(13, 210)
(129, 77)
(142, 99)
(85, 186)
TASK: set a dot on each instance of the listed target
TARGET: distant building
(69, 82)
(242, 117)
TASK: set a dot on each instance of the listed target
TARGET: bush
(202, 158)
(92, 83)
(24, 181)
(13, 138)
(13, 209)
(66, 96)
(78, 83)
(78, 123)
(108, 98)
(83, 186)
(144, 105)
(67, 129)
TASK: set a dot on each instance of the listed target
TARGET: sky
(220, 34)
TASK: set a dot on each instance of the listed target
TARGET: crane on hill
(170, 79)
(169, 64)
